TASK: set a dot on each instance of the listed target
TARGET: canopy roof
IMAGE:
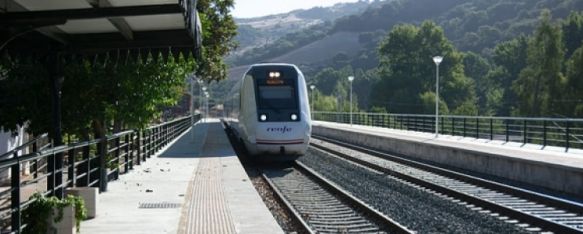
(98, 26)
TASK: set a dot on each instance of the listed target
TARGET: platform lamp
(312, 87)
(206, 113)
(202, 96)
(350, 79)
(437, 60)
(193, 79)
(200, 90)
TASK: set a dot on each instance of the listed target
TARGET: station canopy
(89, 27)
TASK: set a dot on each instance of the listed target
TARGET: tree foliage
(408, 72)
(541, 82)
(509, 59)
(112, 90)
(573, 32)
(219, 31)
(129, 92)
(575, 83)
(24, 94)
(476, 68)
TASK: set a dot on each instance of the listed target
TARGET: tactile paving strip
(206, 209)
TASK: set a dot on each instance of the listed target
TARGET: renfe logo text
(283, 129)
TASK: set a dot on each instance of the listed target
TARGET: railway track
(539, 211)
(323, 207)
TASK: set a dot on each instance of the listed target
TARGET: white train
(270, 112)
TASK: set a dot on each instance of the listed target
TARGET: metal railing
(85, 164)
(559, 132)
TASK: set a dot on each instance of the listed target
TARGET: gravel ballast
(280, 214)
(412, 207)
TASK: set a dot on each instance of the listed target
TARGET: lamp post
(312, 87)
(206, 108)
(201, 102)
(192, 80)
(437, 60)
(350, 79)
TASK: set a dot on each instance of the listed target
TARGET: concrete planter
(66, 225)
(89, 196)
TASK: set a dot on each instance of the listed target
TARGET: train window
(277, 97)
(276, 92)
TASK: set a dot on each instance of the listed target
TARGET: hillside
(490, 41)
(324, 50)
(474, 25)
(259, 31)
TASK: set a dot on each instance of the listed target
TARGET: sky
(255, 8)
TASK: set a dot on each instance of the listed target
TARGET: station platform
(195, 185)
(546, 168)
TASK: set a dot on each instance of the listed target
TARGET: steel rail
(370, 213)
(535, 220)
(376, 215)
(288, 206)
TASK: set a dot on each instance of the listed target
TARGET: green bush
(36, 215)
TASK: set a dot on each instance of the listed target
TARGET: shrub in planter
(37, 214)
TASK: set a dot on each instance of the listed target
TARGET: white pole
(350, 79)
(351, 103)
(312, 87)
(437, 100)
(207, 107)
(200, 101)
(192, 108)
(312, 103)
(437, 60)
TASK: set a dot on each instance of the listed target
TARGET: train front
(283, 116)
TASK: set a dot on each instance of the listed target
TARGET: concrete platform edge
(559, 177)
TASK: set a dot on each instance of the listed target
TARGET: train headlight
(274, 75)
(294, 117)
(263, 117)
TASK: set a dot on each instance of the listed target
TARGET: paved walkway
(193, 186)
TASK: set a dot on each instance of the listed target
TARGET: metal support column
(55, 162)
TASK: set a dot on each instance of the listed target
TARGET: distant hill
(352, 39)
(324, 50)
(260, 31)
(472, 25)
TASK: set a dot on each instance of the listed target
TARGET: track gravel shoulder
(280, 214)
(411, 206)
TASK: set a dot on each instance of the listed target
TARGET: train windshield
(276, 92)
(277, 97)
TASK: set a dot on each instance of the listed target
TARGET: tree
(407, 71)
(575, 83)
(510, 58)
(219, 31)
(476, 68)
(127, 91)
(330, 80)
(24, 89)
(323, 102)
(540, 84)
(573, 32)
